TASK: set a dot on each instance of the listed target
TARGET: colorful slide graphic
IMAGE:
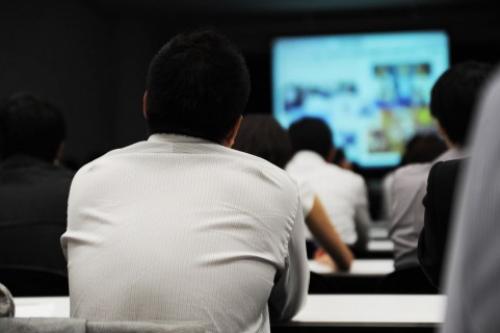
(372, 89)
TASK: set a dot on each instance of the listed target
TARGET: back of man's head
(454, 96)
(198, 85)
(31, 126)
(311, 134)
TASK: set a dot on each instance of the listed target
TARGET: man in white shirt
(452, 103)
(342, 192)
(180, 227)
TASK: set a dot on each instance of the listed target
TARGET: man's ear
(331, 155)
(229, 141)
(144, 103)
(443, 133)
(59, 153)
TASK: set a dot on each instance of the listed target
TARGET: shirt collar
(453, 154)
(310, 156)
(177, 138)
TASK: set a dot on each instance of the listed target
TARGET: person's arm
(322, 229)
(290, 288)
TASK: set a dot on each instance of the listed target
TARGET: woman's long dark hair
(263, 136)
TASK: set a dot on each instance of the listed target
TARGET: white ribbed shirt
(342, 192)
(177, 228)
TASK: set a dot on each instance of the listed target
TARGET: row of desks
(345, 313)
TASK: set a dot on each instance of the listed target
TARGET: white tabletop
(42, 306)
(379, 233)
(320, 310)
(372, 310)
(366, 267)
(380, 246)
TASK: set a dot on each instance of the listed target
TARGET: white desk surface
(371, 311)
(368, 267)
(320, 310)
(380, 246)
(42, 306)
(379, 233)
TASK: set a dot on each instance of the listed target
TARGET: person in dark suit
(33, 187)
(438, 202)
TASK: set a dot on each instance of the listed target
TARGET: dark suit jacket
(33, 205)
(438, 202)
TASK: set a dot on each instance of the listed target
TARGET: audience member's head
(198, 85)
(423, 148)
(263, 136)
(30, 126)
(454, 96)
(312, 134)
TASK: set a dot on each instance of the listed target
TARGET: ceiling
(266, 6)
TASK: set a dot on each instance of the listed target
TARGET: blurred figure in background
(33, 188)
(342, 192)
(474, 255)
(263, 136)
(422, 148)
(452, 104)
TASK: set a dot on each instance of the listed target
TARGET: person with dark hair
(263, 136)
(452, 104)
(473, 255)
(422, 148)
(341, 159)
(342, 191)
(181, 227)
(33, 188)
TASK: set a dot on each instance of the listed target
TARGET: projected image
(373, 90)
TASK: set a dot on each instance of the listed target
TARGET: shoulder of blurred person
(453, 98)
(438, 203)
(471, 270)
(406, 212)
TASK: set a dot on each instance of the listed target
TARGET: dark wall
(91, 58)
(59, 49)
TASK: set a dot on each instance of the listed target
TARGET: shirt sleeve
(307, 195)
(407, 212)
(290, 289)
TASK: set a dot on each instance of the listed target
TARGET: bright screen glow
(372, 89)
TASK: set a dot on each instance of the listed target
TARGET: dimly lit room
(249, 166)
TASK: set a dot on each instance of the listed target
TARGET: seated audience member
(342, 192)
(263, 136)
(181, 227)
(33, 188)
(452, 102)
(472, 272)
(422, 148)
(438, 203)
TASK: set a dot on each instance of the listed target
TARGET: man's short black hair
(198, 85)
(31, 126)
(263, 136)
(454, 97)
(311, 134)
